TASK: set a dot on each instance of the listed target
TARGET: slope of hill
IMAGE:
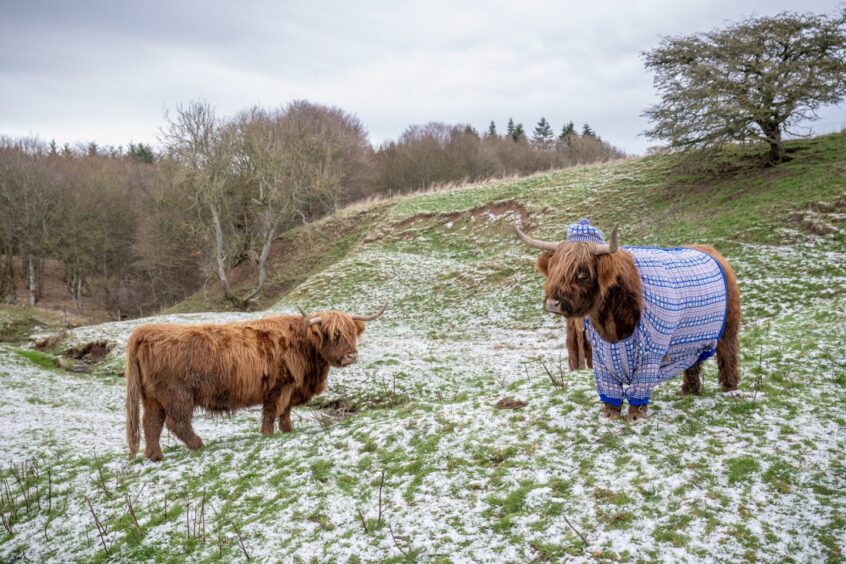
(406, 457)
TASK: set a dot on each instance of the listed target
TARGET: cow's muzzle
(557, 307)
(551, 305)
(349, 359)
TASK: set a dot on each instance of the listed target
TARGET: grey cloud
(105, 70)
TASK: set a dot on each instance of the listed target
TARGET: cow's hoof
(637, 412)
(610, 411)
(155, 457)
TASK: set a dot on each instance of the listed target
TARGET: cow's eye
(581, 275)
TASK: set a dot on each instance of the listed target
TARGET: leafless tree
(27, 193)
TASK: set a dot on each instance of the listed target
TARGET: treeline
(153, 227)
(439, 153)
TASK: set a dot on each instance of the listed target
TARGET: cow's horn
(371, 317)
(536, 243)
(311, 320)
(608, 248)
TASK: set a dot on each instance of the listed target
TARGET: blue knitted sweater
(682, 319)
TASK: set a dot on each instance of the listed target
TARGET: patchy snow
(756, 475)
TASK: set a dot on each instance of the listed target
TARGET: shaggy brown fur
(607, 289)
(276, 362)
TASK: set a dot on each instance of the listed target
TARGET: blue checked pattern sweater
(683, 316)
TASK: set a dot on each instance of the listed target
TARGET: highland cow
(648, 314)
(276, 362)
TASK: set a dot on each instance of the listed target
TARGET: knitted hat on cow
(584, 232)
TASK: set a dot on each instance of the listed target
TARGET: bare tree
(205, 148)
(27, 193)
(263, 171)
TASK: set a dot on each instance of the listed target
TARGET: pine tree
(492, 129)
(519, 134)
(587, 131)
(54, 149)
(542, 134)
(567, 131)
(509, 130)
(141, 152)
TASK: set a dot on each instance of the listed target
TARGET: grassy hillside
(754, 476)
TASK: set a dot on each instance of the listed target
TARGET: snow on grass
(757, 476)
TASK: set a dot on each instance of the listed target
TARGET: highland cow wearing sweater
(649, 314)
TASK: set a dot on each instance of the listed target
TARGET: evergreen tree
(567, 131)
(587, 131)
(519, 134)
(492, 129)
(54, 148)
(542, 134)
(141, 152)
(509, 130)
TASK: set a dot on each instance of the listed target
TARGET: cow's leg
(611, 411)
(268, 416)
(728, 349)
(274, 406)
(178, 421)
(154, 418)
(728, 354)
(268, 412)
(637, 412)
(692, 383)
(285, 424)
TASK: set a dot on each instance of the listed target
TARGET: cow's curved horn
(311, 320)
(608, 248)
(536, 243)
(371, 317)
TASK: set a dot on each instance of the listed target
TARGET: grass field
(405, 458)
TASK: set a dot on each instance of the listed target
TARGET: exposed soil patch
(511, 403)
(508, 210)
(90, 353)
(821, 218)
(48, 342)
(328, 414)
(337, 406)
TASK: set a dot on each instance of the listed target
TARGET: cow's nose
(552, 305)
(352, 357)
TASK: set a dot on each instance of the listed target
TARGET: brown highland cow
(641, 315)
(276, 362)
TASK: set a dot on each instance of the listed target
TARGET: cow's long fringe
(133, 398)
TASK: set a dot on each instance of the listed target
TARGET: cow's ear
(317, 331)
(542, 263)
(359, 326)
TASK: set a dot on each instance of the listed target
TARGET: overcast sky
(105, 71)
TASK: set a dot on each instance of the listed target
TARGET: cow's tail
(133, 396)
(579, 353)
